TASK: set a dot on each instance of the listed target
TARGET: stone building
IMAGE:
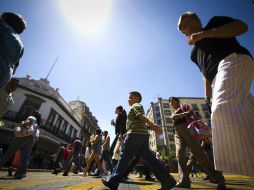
(60, 122)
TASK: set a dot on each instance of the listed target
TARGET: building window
(204, 107)
(194, 107)
(165, 105)
(167, 112)
(157, 109)
(161, 137)
(64, 127)
(168, 120)
(158, 121)
(171, 137)
(172, 147)
(70, 131)
(31, 104)
(196, 113)
(207, 114)
(58, 123)
(158, 115)
(74, 133)
(170, 129)
(51, 119)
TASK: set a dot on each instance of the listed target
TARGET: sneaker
(206, 178)
(168, 186)
(149, 178)
(107, 184)
(183, 185)
(19, 176)
(217, 177)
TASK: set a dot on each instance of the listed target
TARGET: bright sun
(86, 16)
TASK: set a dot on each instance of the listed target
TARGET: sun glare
(86, 16)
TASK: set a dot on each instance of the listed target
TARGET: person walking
(96, 151)
(77, 145)
(25, 136)
(184, 139)
(66, 160)
(58, 159)
(105, 151)
(137, 141)
(227, 69)
(120, 126)
(11, 47)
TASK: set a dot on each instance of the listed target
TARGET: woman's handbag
(198, 129)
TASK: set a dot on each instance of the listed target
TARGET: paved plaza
(46, 181)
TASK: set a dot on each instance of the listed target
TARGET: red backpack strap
(184, 107)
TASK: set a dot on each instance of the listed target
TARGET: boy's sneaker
(183, 185)
(149, 178)
(107, 184)
(168, 186)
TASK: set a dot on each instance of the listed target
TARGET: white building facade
(59, 123)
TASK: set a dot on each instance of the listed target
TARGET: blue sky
(135, 45)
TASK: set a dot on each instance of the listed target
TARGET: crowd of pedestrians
(227, 69)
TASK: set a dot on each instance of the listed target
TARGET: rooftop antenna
(51, 67)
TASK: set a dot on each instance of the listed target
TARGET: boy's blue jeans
(133, 144)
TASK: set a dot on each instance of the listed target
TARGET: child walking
(137, 141)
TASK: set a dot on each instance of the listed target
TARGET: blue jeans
(75, 159)
(113, 145)
(133, 144)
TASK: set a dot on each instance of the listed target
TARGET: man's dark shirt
(208, 52)
(120, 127)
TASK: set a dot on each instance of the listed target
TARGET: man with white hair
(25, 136)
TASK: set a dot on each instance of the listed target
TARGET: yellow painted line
(198, 186)
(24, 183)
(232, 176)
(239, 187)
(149, 187)
(93, 185)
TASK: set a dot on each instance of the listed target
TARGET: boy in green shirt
(137, 141)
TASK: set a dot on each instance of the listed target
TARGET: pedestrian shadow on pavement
(137, 183)
(7, 178)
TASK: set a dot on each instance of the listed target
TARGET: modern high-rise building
(160, 112)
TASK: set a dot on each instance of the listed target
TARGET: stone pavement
(47, 181)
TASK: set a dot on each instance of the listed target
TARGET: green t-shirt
(134, 124)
